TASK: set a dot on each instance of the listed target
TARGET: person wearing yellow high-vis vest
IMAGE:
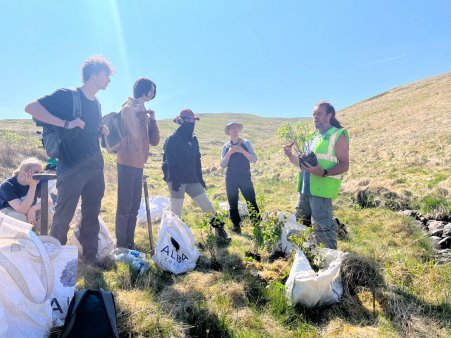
(318, 185)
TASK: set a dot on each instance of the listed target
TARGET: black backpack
(91, 314)
(113, 141)
(52, 136)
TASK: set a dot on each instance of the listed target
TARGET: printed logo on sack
(179, 258)
(56, 305)
(69, 274)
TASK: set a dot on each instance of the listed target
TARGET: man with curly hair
(80, 166)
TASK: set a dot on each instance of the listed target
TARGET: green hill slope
(400, 154)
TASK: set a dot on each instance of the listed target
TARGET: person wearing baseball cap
(182, 170)
(237, 155)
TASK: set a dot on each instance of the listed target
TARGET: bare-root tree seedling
(306, 243)
(257, 235)
(208, 240)
(301, 134)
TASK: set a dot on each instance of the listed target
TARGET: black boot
(221, 235)
(237, 228)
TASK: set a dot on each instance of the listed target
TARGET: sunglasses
(188, 118)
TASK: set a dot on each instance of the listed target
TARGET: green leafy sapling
(305, 241)
(301, 135)
(271, 226)
(257, 235)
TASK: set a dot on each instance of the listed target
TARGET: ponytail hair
(330, 110)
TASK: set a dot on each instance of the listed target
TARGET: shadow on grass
(191, 308)
(413, 316)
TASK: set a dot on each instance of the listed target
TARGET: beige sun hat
(232, 122)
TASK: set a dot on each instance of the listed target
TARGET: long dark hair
(330, 110)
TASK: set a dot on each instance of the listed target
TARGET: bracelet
(66, 124)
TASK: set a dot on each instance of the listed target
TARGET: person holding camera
(237, 155)
(319, 183)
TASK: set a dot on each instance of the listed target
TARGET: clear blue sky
(269, 58)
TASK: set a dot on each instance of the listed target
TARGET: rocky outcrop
(439, 233)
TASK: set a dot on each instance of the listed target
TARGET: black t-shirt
(80, 148)
(10, 189)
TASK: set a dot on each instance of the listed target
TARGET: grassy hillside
(400, 154)
(401, 140)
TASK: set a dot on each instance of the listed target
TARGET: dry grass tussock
(359, 272)
(412, 317)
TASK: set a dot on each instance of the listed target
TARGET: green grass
(246, 298)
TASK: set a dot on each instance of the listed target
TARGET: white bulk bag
(26, 280)
(106, 242)
(290, 227)
(242, 208)
(175, 250)
(65, 261)
(311, 289)
(157, 204)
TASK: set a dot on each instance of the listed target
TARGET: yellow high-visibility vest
(326, 187)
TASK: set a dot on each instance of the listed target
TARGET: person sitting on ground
(182, 171)
(19, 193)
(140, 128)
(237, 154)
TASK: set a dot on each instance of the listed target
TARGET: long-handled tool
(149, 220)
(44, 179)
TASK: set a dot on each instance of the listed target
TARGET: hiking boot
(237, 229)
(221, 236)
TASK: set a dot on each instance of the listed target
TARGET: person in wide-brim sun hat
(233, 123)
(237, 155)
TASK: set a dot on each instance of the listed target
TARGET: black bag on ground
(113, 141)
(91, 314)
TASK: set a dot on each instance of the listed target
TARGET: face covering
(186, 130)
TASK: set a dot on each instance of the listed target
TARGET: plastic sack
(157, 204)
(242, 208)
(135, 259)
(311, 289)
(175, 250)
(106, 241)
(27, 277)
(291, 227)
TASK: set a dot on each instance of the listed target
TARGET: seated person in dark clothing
(182, 171)
(18, 193)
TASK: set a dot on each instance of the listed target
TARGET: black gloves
(202, 183)
(175, 186)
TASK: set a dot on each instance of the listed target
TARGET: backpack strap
(108, 301)
(78, 297)
(76, 103)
